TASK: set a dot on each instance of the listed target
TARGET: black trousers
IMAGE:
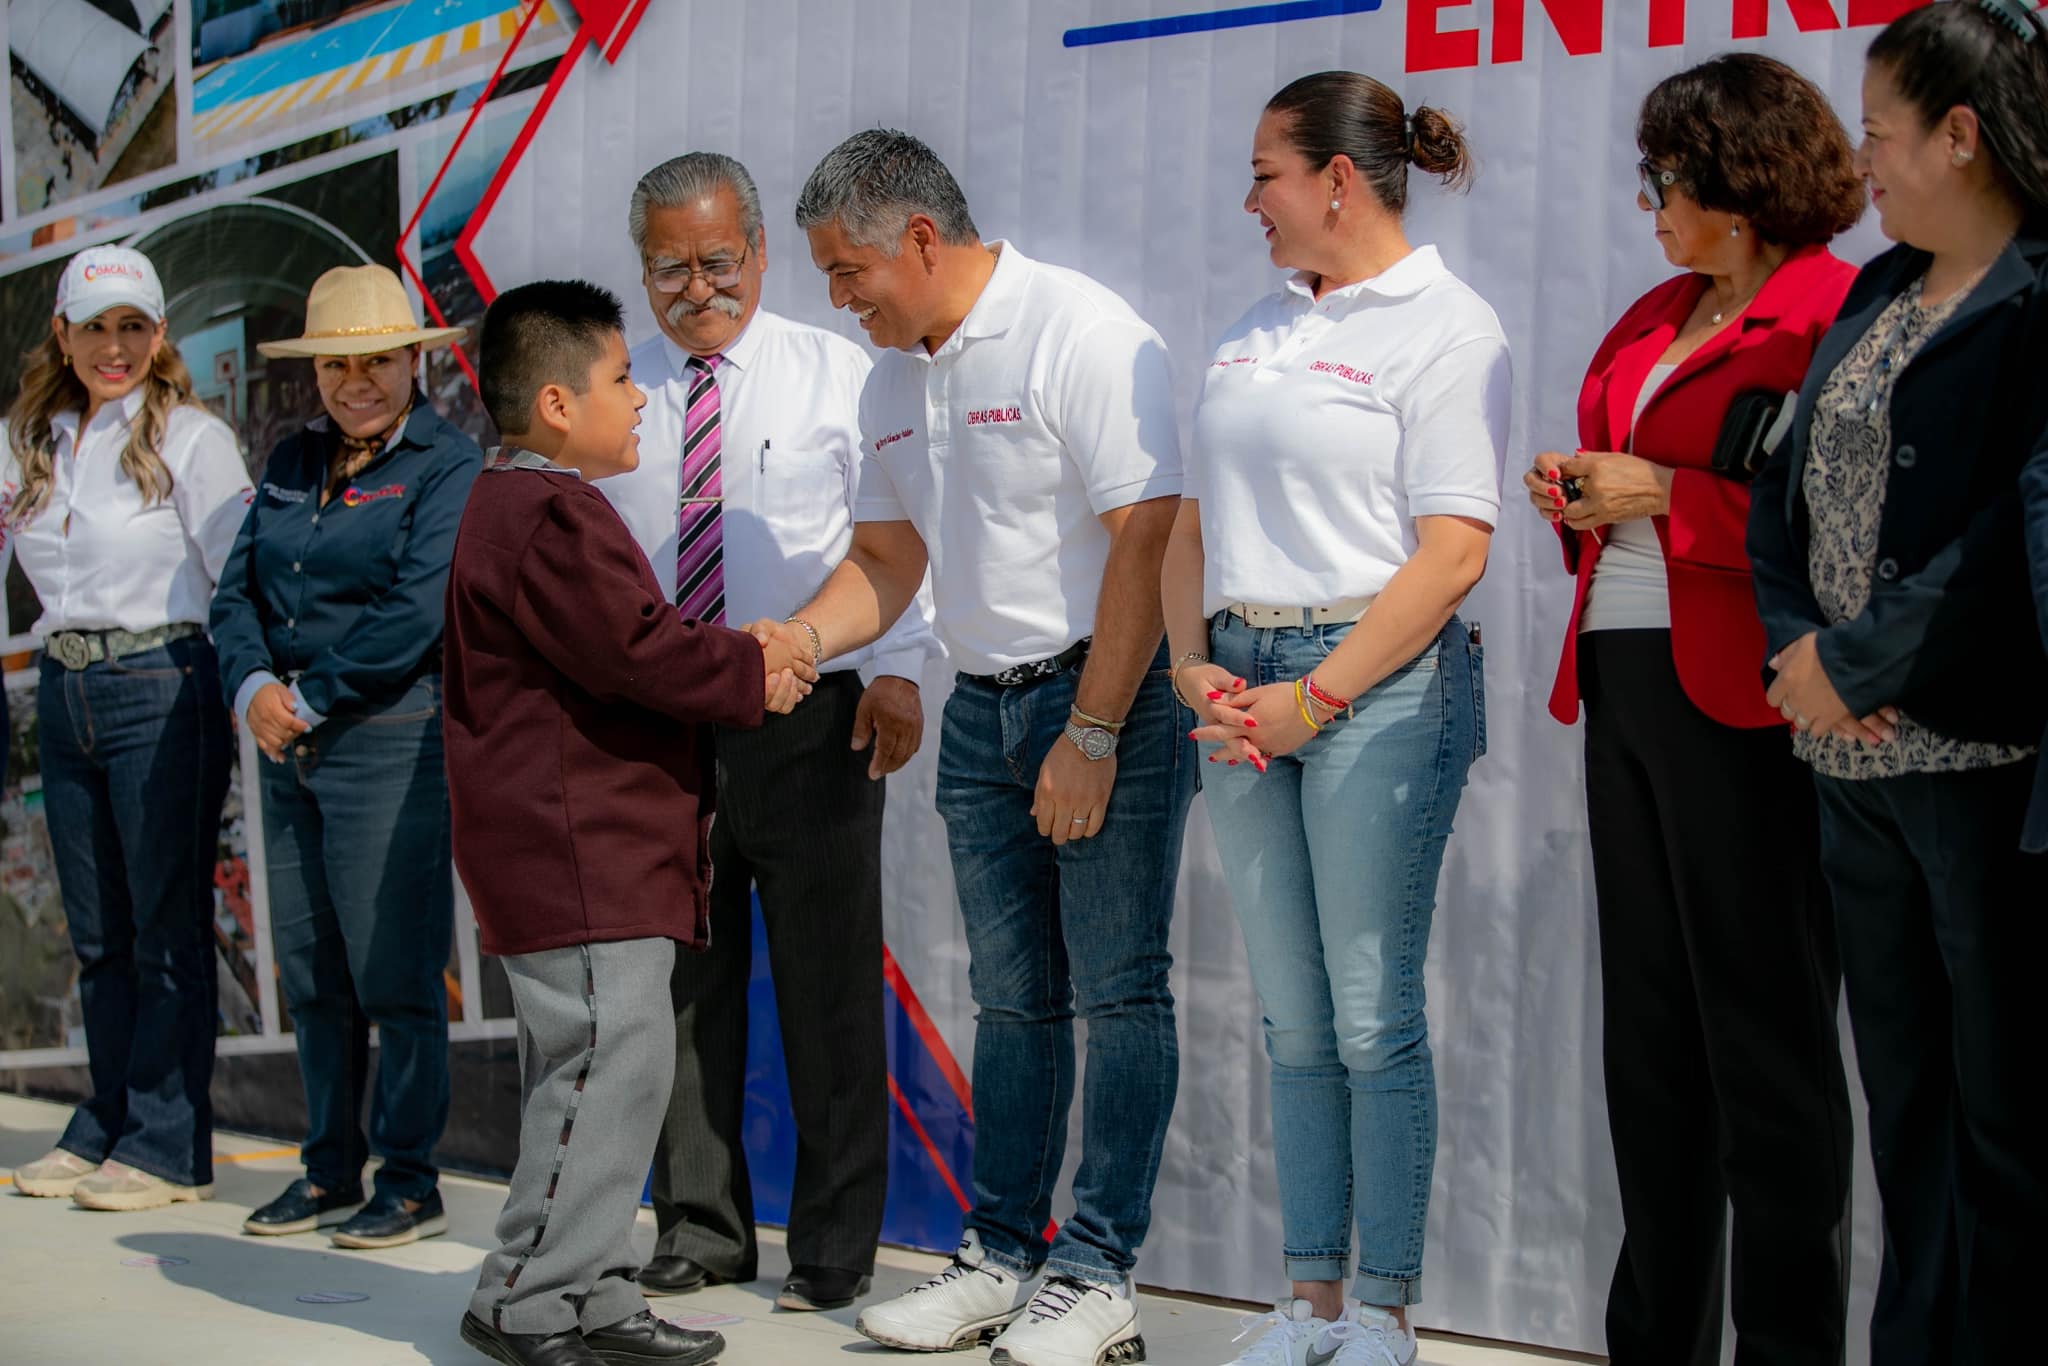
(1723, 1064)
(798, 817)
(1944, 930)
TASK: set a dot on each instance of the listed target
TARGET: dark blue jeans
(135, 765)
(1052, 930)
(355, 833)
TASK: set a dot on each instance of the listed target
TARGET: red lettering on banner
(977, 417)
(1753, 17)
(1430, 49)
(1577, 23)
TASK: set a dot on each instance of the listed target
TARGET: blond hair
(50, 386)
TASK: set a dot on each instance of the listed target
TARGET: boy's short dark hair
(549, 332)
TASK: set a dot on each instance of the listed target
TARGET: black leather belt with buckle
(77, 649)
(1018, 674)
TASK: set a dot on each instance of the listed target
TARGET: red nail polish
(1215, 697)
(1250, 724)
(1191, 735)
(1237, 682)
(1233, 763)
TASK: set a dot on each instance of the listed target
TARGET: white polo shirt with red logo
(1049, 406)
(1327, 426)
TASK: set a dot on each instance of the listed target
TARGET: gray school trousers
(596, 1058)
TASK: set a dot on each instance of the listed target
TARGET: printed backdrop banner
(481, 143)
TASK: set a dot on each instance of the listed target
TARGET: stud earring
(1962, 158)
(1335, 206)
(1735, 231)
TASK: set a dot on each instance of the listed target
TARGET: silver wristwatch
(1092, 741)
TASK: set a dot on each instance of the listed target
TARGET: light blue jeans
(1332, 858)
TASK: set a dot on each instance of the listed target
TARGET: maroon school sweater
(577, 720)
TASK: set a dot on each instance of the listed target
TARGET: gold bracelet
(1173, 676)
(1085, 719)
(817, 641)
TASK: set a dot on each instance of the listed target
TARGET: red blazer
(1717, 640)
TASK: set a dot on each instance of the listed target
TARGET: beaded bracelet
(1323, 699)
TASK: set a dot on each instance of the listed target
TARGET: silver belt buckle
(71, 650)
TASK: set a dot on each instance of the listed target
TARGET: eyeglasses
(718, 274)
(1654, 182)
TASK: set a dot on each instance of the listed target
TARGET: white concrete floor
(184, 1285)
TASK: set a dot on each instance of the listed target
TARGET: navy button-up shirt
(346, 597)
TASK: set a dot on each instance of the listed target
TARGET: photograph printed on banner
(266, 72)
(92, 95)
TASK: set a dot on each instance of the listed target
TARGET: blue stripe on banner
(1243, 17)
(319, 51)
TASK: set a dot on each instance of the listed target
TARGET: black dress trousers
(1723, 1064)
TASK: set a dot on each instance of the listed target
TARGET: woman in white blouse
(1342, 493)
(122, 496)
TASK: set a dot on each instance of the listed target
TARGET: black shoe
(680, 1276)
(386, 1222)
(821, 1287)
(298, 1210)
(528, 1349)
(645, 1338)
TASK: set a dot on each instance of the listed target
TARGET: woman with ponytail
(1347, 456)
(121, 495)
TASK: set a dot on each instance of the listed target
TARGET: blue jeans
(135, 766)
(1332, 858)
(1052, 930)
(355, 833)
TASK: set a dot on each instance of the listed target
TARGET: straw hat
(359, 311)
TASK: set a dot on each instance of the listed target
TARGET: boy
(580, 789)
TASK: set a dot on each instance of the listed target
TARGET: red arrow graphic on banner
(606, 26)
(614, 21)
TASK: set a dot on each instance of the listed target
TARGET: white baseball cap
(100, 278)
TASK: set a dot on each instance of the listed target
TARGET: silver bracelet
(817, 641)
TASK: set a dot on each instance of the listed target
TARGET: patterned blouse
(1844, 482)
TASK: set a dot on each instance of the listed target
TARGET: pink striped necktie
(700, 540)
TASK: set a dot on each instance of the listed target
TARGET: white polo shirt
(98, 556)
(790, 465)
(1050, 405)
(1326, 427)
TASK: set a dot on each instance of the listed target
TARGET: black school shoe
(298, 1210)
(821, 1287)
(644, 1340)
(386, 1222)
(528, 1349)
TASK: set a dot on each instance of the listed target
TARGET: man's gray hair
(873, 182)
(687, 179)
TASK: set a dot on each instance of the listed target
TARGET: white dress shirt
(1327, 426)
(98, 556)
(790, 466)
(1051, 404)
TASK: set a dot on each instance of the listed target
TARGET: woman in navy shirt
(328, 622)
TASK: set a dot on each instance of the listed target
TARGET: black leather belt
(1019, 674)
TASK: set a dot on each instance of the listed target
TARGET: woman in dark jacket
(1891, 574)
(1717, 964)
(328, 621)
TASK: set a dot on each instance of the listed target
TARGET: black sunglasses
(1654, 182)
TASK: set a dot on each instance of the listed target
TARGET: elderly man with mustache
(749, 464)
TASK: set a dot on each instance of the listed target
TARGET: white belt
(1265, 615)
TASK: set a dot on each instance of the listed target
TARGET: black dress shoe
(386, 1222)
(528, 1349)
(680, 1276)
(821, 1287)
(298, 1210)
(647, 1339)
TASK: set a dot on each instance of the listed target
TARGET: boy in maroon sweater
(580, 788)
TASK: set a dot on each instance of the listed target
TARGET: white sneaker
(55, 1173)
(1073, 1323)
(963, 1306)
(1292, 1330)
(1366, 1336)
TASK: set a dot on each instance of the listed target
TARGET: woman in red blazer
(1718, 971)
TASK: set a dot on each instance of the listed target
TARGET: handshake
(792, 654)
